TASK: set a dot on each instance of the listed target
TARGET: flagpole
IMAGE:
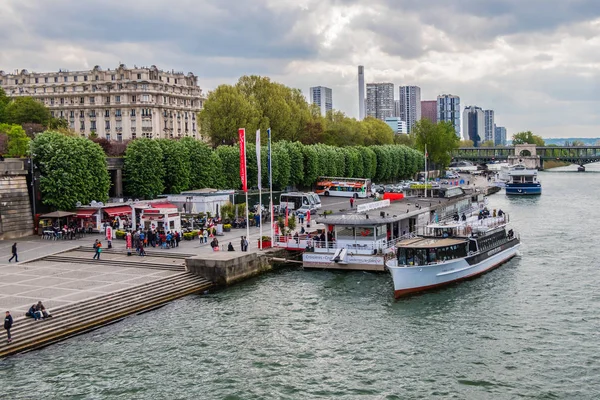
(425, 171)
(271, 189)
(243, 175)
(258, 162)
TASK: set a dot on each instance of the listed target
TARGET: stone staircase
(76, 318)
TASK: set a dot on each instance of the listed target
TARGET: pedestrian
(98, 248)
(242, 244)
(351, 202)
(14, 253)
(8, 322)
(245, 244)
(205, 235)
(230, 247)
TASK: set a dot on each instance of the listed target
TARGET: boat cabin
(424, 250)
(521, 174)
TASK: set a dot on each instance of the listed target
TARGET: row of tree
(255, 102)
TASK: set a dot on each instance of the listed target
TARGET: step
(149, 252)
(116, 263)
(61, 326)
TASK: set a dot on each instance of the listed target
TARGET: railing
(302, 242)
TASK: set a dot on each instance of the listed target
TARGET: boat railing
(303, 242)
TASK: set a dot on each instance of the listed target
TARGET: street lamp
(31, 156)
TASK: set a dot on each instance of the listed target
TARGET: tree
(408, 140)
(577, 143)
(143, 169)
(527, 138)
(24, 110)
(487, 143)
(466, 143)
(176, 162)
(4, 100)
(377, 132)
(440, 140)
(225, 110)
(202, 171)
(71, 170)
(17, 140)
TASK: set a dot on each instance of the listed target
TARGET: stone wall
(15, 208)
(226, 268)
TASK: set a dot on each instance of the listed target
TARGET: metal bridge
(580, 155)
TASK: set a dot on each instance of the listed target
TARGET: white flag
(258, 157)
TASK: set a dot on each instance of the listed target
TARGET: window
(108, 137)
(133, 112)
(122, 76)
(133, 123)
(93, 125)
(52, 113)
(72, 124)
(133, 135)
(66, 79)
(46, 80)
(97, 78)
(62, 100)
(74, 88)
(72, 114)
(168, 79)
(119, 137)
(106, 113)
(112, 77)
(144, 87)
(85, 78)
(118, 99)
(93, 114)
(92, 100)
(139, 76)
(107, 125)
(133, 99)
(119, 125)
(176, 81)
(145, 97)
(119, 86)
(81, 100)
(81, 114)
(186, 126)
(118, 112)
(56, 79)
(82, 125)
(75, 78)
(37, 80)
(107, 99)
(64, 89)
(52, 101)
(16, 81)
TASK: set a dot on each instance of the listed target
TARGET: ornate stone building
(119, 104)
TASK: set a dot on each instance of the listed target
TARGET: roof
(118, 211)
(58, 214)
(85, 213)
(162, 205)
(429, 242)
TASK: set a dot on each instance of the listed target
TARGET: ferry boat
(523, 181)
(451, 252)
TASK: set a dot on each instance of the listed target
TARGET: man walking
(8, 321)
(98, 248)
(351, 202)
(14, 253)
(242, 244)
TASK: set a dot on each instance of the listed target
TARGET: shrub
(120, 234)
(190, 235)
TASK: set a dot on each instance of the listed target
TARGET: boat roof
(424, 242)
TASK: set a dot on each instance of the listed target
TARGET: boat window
(432, 256)
(401, 256)
(345, 232)
(364, 232)
(420, 256)
(381, 232)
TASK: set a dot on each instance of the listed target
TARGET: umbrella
(58, 214)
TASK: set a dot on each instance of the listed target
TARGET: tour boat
(451, 252)
(523, 181)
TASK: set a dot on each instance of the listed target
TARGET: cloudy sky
(535, 62)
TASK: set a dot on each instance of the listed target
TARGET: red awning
(162, 205)
(85, 213)
(118, 211)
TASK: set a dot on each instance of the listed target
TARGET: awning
(162, 205)
(85, 213)
(58, 214)
(118, 211)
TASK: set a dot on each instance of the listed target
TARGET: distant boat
(523, 181)
(463, 166)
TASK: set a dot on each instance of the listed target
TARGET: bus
(343, 187)
(298, 202)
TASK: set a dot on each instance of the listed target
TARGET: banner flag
(242, 140)
(269, 155)
(258, 161)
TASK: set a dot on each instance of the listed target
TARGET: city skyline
(537, 73)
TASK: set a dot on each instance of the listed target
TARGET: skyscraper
(489, 125)
(474, 124)
(380, 100)
(323, 97)
(448, 110)
(410, 105)
(361, 93)
(500, 136)
(429, 110)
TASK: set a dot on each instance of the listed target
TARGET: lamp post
(31, 156)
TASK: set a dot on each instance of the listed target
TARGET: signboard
(372, 206)
(312, 258)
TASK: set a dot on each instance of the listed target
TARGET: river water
(529, 329)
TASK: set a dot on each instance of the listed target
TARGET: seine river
(530, 329)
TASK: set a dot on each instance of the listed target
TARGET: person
(98, 248)
(14, 253)
(242, 248)
(351, 202)
(214, 244)
(245, 244)
(301, 217)
(41, 310)
(230, 247)
(32, 313)
(8, 322)
(500, 212)
(205, 235)
(302, 231)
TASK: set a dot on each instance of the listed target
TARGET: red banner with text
(242, 139)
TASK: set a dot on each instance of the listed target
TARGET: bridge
(579, 155)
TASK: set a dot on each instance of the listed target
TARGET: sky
(535, 62)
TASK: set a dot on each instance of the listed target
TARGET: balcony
(146, 129)
(118, 117)
(133, 129)
(119, 129)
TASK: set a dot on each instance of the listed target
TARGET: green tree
(176, 162)
(4, 100)
(143, 170)
(440, 140)
(203, 171)
(71, 170)
(487, 143)
(527, 138)
(378, 132)
(225, 111)
(466, 143)
(408, 140)
(17, 140)
(230, 159)
(24, 110)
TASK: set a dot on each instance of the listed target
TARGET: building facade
(448, 110)
(429, 110)
(397, 125)
(474, 125)
(119, 104)
(410, 105)
(361, 93)
(500, 136)
(323, 97)
(380, 100)
(489, 125)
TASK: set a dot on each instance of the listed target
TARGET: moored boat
(523, 181)
(447, 253)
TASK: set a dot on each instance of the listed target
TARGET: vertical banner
(242, 140)
(271, 211)
(258, 158)
(258, 163)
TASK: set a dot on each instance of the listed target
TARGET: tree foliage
(143, 170)
(17, 142)
(26, 110)
(527, 137)
(71, 170)
(439, 138)
(176, 162)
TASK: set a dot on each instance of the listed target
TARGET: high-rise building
(361, 93)
(489, 125)
(474, 124)
(323, 97)
(410, 105)
(397, 108)
(380, 100)
(397, 125)
(429, 110)
(119, 104)
(448, 110)
(500, 136)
